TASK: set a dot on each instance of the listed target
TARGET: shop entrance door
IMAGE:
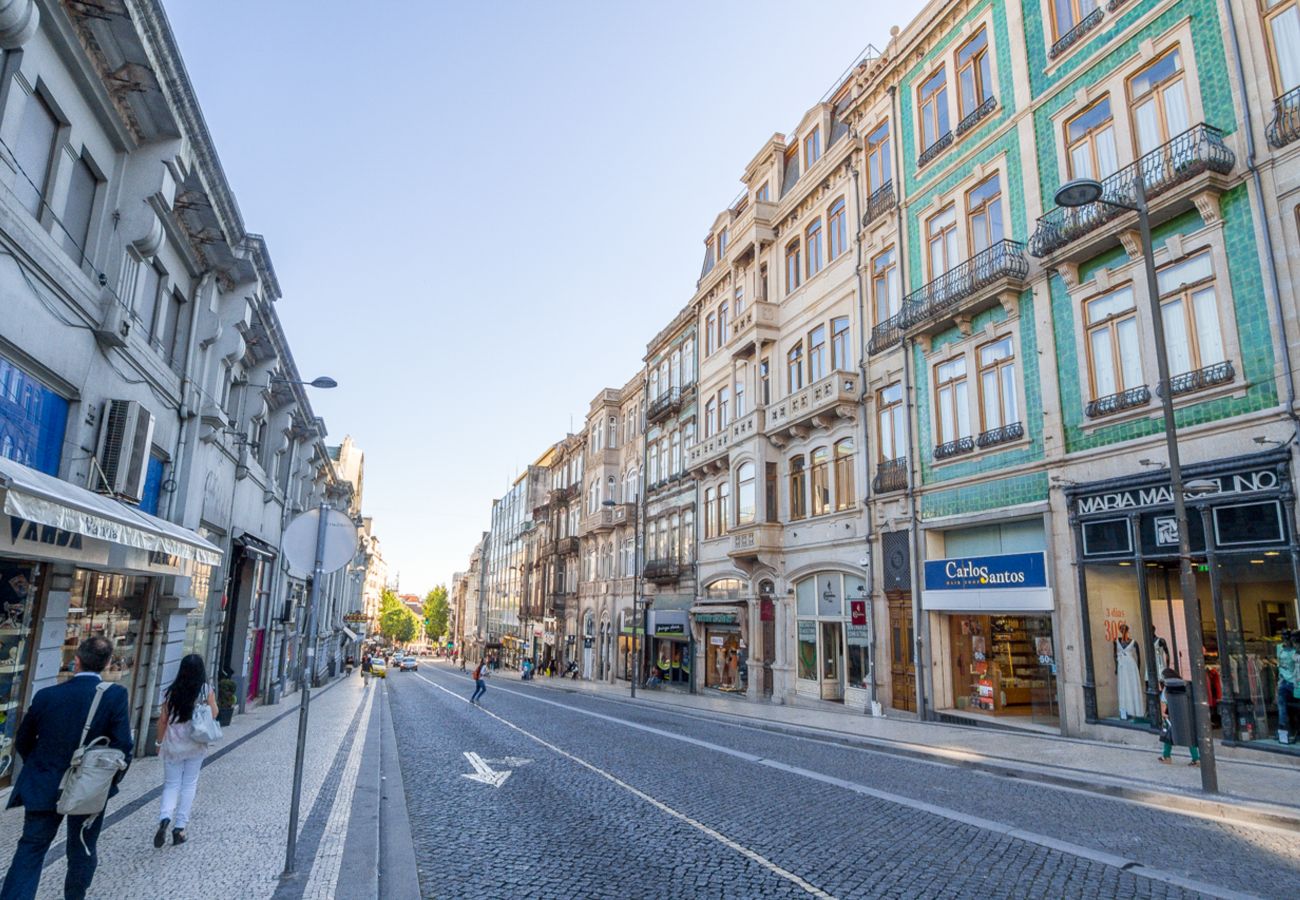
(902, 662)
(832, 661)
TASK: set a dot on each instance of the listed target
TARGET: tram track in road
(1114, 861)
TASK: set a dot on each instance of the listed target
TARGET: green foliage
(398, 624)
(437, 611)
(226, 693)
(388, 599)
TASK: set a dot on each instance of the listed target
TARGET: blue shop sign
(1008, 571)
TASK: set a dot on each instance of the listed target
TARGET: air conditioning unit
(115, 325)
(123, 454)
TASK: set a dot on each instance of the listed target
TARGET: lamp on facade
(324, 382)
(1082, 192)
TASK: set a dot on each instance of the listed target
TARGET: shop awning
(352, 635)
(256, 546)
(46, 500)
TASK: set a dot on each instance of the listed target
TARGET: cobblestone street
(605, 798)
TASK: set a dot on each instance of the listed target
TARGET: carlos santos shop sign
(1003, 583)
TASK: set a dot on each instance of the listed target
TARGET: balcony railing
(566, 546)
(954, 448)
(1075, 34)
(1003, 434)
(1105, 406)
(886, 334)
(1199, 149)
(935, 149)
(1005, 259)
(561, 495)
(836, 395)
(1191, 382)
(881, 201)
(664, 405)
(748, 541)
(891, 475)
(759, 320)
(1285, 126)
(973, 118)
(662, 570)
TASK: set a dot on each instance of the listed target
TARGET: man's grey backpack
(85, 786)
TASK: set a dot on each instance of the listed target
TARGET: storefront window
(17, 602)
(109, 606)
(1005, 665)
(807, 649)
(196, 630)
(1115, 608)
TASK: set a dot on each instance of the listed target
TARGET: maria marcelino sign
(1007, 582)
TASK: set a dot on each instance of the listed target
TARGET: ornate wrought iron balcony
(973, 118)
(881, 201)
(954, 448)
(664, 405)
(891, 475)
(1285, 126)
(947, 293)
(1003, 434)
(930, 152)
(1105, 406)
(886, 334)
(1198, 150)
(1199, 380)
(1075, 34)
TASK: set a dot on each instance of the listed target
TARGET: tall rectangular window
(1090, 142)
(951, 400)
(176, 333)
(764, 381)
(984, 214)
(932, 99)
(710, 333)
(997, 373)
(1066, 14)
(1158, 98)
(722, 324)
(688, 361)
(33, 420)
(798, 488)
(1282, 24)
(76, 212)
(745, 494)
(844, 493)
(710, 417)
(1114, 353)
(738, 301)
(742, 375)
(941, 241)
(675, 369)
(34, 153)
(886, 292)
(710, 529)
(812, 245)
(724, 408)
(1190, 313)
(146, 306)
(792, 272)
(763, 194)
(879, 170)
(837, 234)
(889, 422)
(820, 478)
(817, 354)
(794, 367)
(975, 83)
(841, 358)
(812, 148)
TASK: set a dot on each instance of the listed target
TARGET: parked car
(378, 667)
(409, 664)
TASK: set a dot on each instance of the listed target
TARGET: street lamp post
(1082, 192)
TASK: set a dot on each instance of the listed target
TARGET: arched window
(821, 481)
(844, 498)
(798, 488)
(745, 494)
(611, 429)
(654, 384)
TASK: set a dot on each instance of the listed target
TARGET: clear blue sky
(481, 212)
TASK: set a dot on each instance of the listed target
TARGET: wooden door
(902, 652)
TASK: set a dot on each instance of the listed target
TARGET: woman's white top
(177, 745)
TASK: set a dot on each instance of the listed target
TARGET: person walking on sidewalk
(365, 667)
(50, 732)
(480, 681)
(182, 756)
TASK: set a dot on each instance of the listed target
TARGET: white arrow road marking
(484, 772)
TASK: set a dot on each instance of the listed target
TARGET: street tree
(398, 624)
(436, 612)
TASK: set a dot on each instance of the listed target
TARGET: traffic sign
(299, 544)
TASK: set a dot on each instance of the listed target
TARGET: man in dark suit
(48, 734)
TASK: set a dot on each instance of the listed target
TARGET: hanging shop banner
(21, 537)
(858, 612)
(1009, 581)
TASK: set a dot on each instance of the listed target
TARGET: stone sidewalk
(239, 824)
(1254, 786)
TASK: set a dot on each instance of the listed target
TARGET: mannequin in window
(1160, 649)
(1128, 677)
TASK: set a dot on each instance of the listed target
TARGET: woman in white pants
(182, 756)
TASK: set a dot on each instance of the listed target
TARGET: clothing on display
(1128, 677)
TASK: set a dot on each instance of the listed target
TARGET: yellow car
(378, 669)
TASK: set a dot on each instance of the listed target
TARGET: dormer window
(722, 243)
(812, 148)
(763, 193)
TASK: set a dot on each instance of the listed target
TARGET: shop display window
(1113, 602)
(1005, 665)
(17, 602)
(858, 638)
(110, 606)
(807, 649)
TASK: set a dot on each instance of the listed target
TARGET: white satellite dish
(299, 543)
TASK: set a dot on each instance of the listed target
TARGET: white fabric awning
(352, 635)
(46, 500)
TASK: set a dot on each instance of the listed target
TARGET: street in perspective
(816, 452)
